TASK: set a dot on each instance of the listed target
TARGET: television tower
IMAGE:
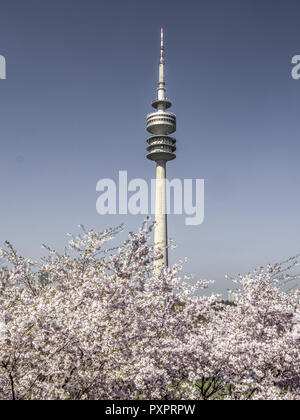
(161, 149)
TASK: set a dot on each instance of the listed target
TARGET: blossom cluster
(98, 323)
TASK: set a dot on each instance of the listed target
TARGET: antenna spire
(161, 77)
(162, 46)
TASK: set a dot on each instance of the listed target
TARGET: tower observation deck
(161, 148)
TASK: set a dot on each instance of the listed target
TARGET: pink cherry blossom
(97, 323)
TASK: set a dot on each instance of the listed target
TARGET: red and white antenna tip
(162, 46)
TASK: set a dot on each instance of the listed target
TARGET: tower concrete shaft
(160, 230)
(161, 124)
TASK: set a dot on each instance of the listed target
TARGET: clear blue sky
(81, 75)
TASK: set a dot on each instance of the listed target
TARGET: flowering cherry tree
(98, 323)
